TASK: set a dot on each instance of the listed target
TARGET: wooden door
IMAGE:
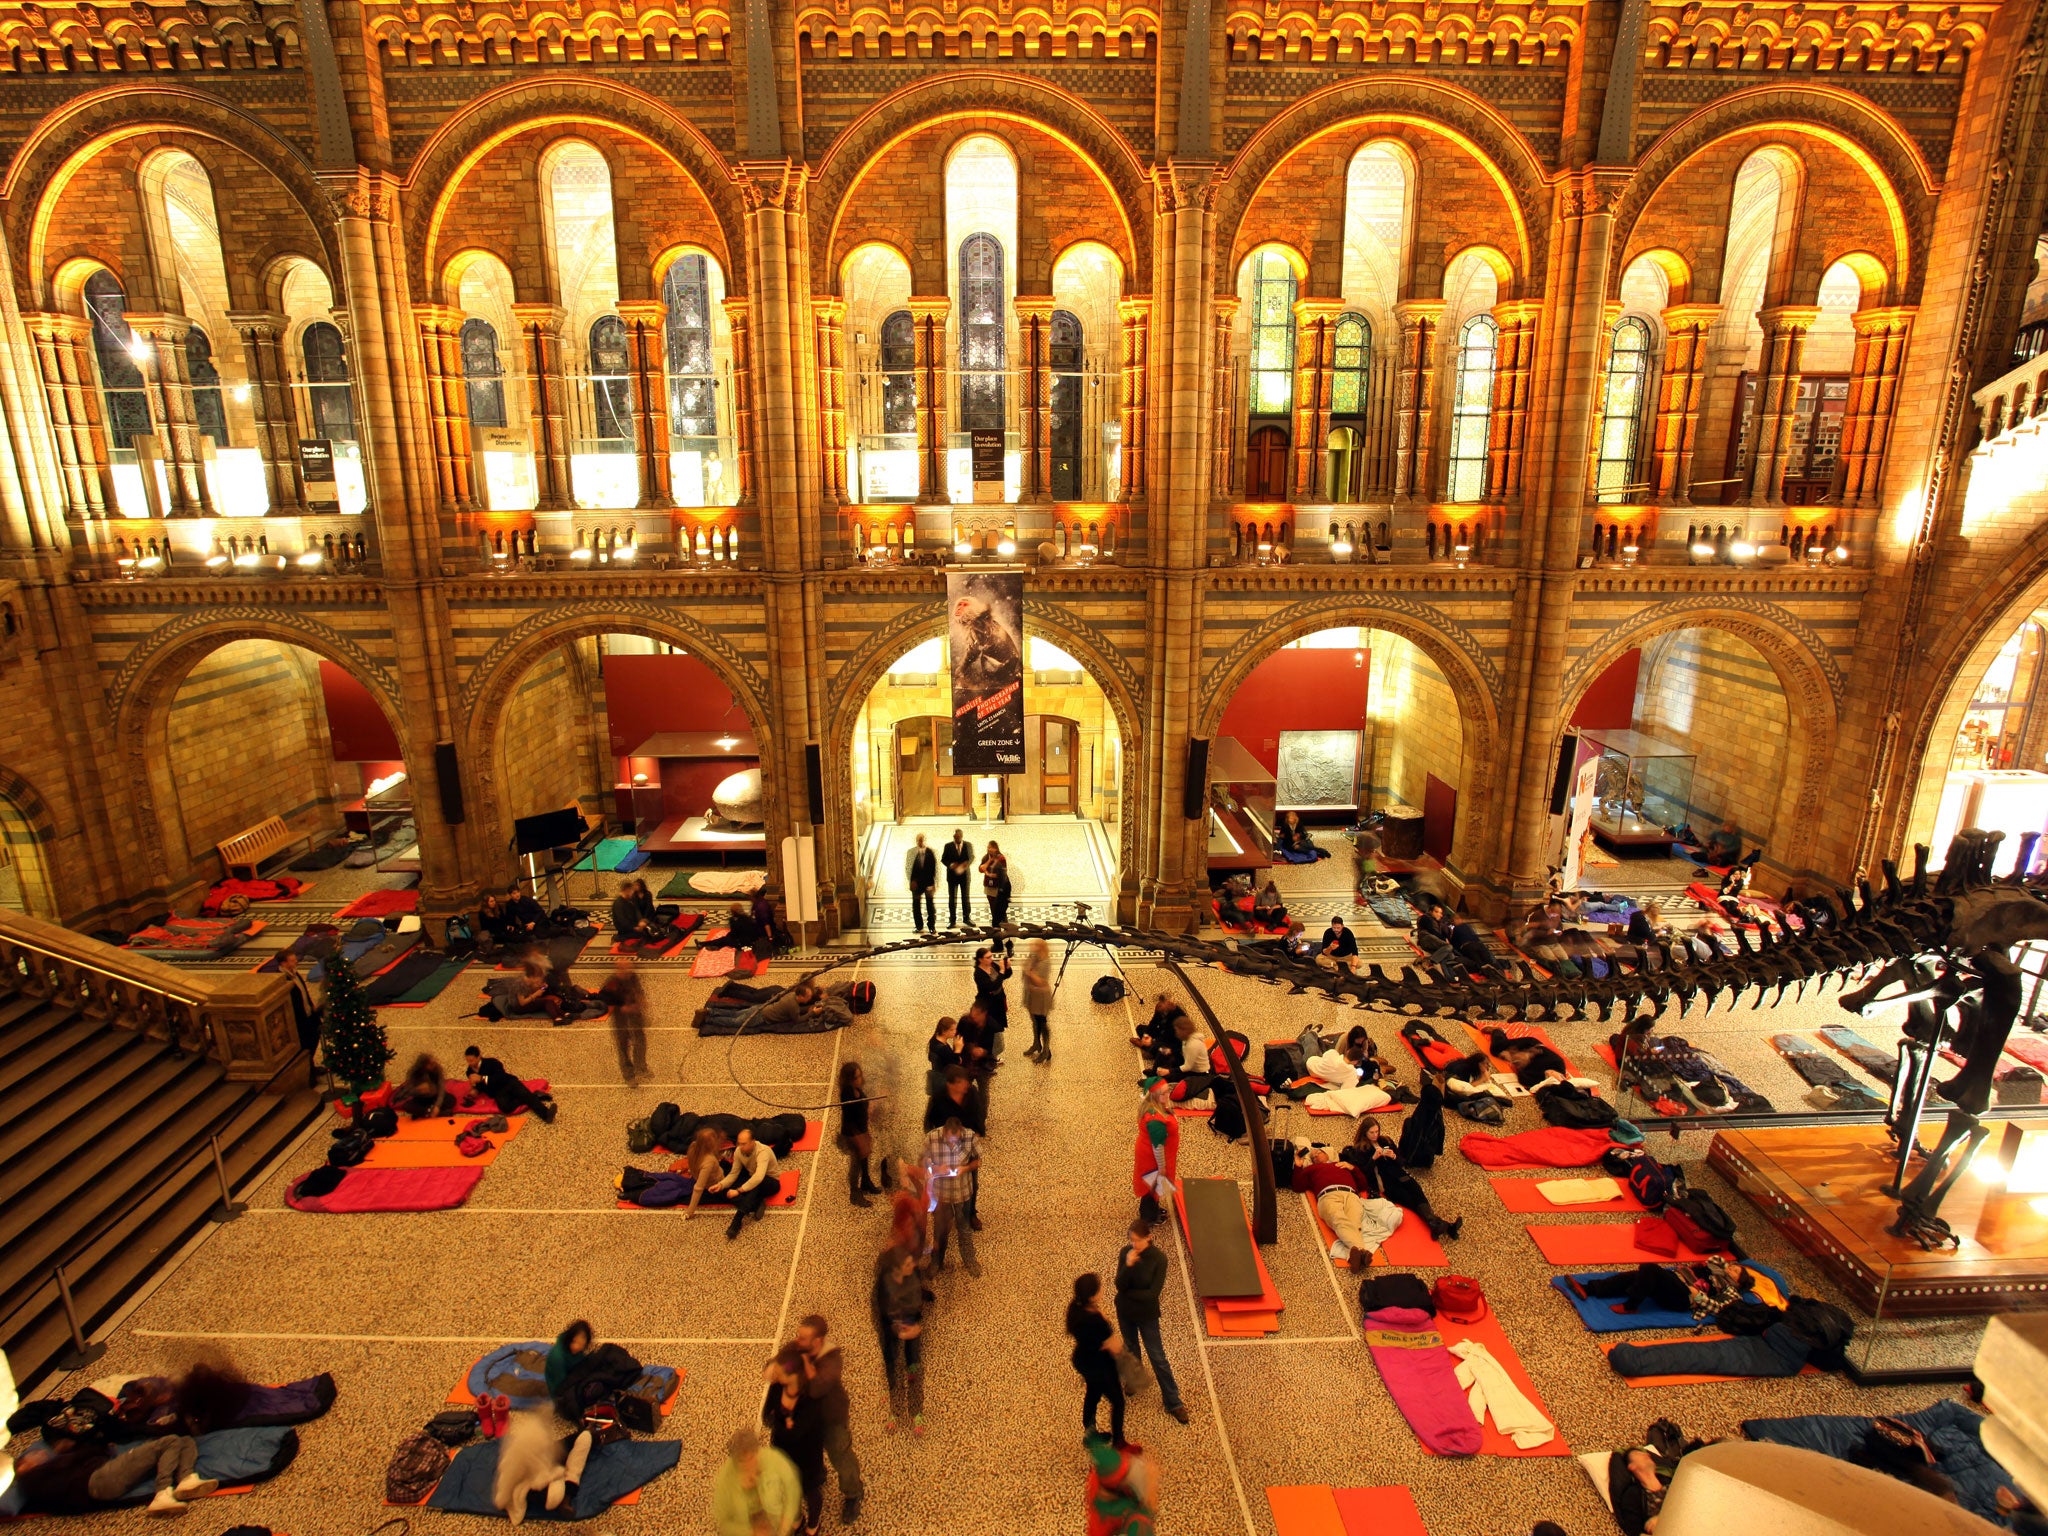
(1266, 464)
(952, 793)
(915, 794)
(1058, 746)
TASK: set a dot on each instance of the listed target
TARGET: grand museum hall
(1374, 662)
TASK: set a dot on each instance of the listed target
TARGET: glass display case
(1642, 788)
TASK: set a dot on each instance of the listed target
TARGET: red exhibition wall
(1610, 703)
(645, 695)
(356, 728)
(1310, 689)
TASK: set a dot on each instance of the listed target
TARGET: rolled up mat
(1422, 1378)
(1525, 1197)
(1608, 1242)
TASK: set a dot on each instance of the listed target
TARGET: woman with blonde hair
(1038, 997)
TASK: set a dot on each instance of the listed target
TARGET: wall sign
(985, 632)
(316, 470)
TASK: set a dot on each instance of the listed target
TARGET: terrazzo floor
(398, 1306)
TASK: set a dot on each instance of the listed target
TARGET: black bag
(638, 1412)
(1481, 1109)
(381, 1123)
(1376, 1291)
(454, 1426)
(1825, 1327)
(323, 1180)
(1282, 1152)
(1701, 1210)
(416, 1466)
(1227, 1119)
(1569, 1104)
(1284, 1063)
(2017, 1085)
(1107, 989)
(351, 1146)
(860, 997)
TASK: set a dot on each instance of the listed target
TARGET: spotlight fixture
(582, 549)
(962, 545)
(726, 742)
(245, 559)
(1742, 549)
(241, 394)
(311, 558)
(138, 349)
(218, 558)
(1340, 541)
(1840, 553)
(1006, 546)
(629, 549)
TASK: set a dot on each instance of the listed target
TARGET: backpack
(1481, 1108)
(640, 1135)
(1284, 1062)
(1377, 1291)
(1227, 1119)
(1648, 1182)
(381, 1123)
(350, 1147)
(1107, 989)
(416, 1466)
(1824, 1326)
(1700, 1222)
(860, 997)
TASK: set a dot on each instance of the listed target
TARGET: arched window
(121, 381)
(483, 373)
(692, 369)
(899, 374)
(1272, 334)
(1063, 355)
(611, 388)
(1471, 409)
(983, 347)
(1351, 361)
(1622, 407)
(1378, 213)
(205, 380)
(327, 391)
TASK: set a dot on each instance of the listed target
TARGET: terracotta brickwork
(1717, 697)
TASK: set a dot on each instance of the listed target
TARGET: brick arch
(1474, 682)
(1810, 679)
(1429, 105)
(73, 135)
(991, 97)
(566, 99)
(27, 829)
(1105, 663)
(1898, 171)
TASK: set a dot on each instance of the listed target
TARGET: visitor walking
(921, 871)
(1156, 1155)
(757, 1492)
(626, 996)
(796, 1427)
(959, 1096)
(995, 882)
(854, 1135)
(899, 1324)
(952, 1158)
(1095, 1351)
(991, 973)
(1038, 997)
(1140, 1276)
(959, 861)
(824, 1370)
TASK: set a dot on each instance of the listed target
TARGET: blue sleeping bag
(1777, 1351)
(1950, 1427)
(612, 1472)
(1599, 1316)
(232, 1457)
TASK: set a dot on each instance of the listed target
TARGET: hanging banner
(1579, 827)
(985, 633)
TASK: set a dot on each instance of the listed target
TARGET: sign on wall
(986, 448)
(316, 469)
(985, 632)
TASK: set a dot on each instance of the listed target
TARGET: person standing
(305, 1012)
(1140, 1276)
(1038, 997)
(757, 1492)
(959, 861)
(825, 1380)
(921, 871)
(1094, 1357)
(899, 1324)
(991, 973)
(952, 1157)
(960, 1095)
(1156, 1155)
(995, 882)
(854, 1135)
(796, 1427)
(626, 996)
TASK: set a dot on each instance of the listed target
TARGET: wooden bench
(242, 856)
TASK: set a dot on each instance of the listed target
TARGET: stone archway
(27, 830)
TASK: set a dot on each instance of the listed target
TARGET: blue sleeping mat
(612, 1472)
(1950, 1427)
(1599, 1316)
(233, 1457)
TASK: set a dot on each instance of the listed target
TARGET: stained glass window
(1622, 407)
(983, 346)
(121, 382)
(1272, 334)
(483, 373)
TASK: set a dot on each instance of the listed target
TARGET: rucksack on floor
(416, 1466)
(1107, 989)
(860, 997)
(640, 1135)
(1648, 1182)
(1284, 1063)
(1701, 1223)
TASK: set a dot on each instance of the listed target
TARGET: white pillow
(1595, 1464)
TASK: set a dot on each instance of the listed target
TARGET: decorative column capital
(361, 194)
(165, 329)
(1225, 306)
(828, 309)
(1789, 319)
(1186, 184)
(1413, 312)
(642, 312)
(771, 184)
(929, 307)
(260, 324)
(1689, 317)
(1033, 306)
(1138, 310)
(1318, 309)
(1895, 317)
(1511, 313)
(547, 317)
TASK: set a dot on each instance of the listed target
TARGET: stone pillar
(1415, 399)
(1513, 370)
(1688, 332)
(262, 336)
(1777, 401)
(739, 317)
(547, 403)
(447, 398)
(646, 323)
(1034, 331)
(1135, 318)
(1225, 477)
(1881, 337)
(928, 315)
(169, 384)
(830, 321)
(70, 389)
(1315, 354)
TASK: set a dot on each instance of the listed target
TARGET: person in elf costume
(1156, 1156)
(1123, 1489)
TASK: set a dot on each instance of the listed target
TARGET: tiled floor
(398, 1306)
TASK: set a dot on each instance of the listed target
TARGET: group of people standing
(774, 1473)
(921, 871)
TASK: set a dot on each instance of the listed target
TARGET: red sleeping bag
(1554, 1146)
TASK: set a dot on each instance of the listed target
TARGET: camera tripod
(1081, 911)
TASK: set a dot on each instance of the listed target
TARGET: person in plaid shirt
(952, 1153)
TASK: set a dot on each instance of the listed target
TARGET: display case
(1241, 813)
(1641, 789)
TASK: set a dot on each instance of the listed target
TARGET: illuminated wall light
(310, 559)
(138, 349)
(1742, 549)
(241, 394)
(1006, 546)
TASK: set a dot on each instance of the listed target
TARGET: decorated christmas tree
(352, 1043)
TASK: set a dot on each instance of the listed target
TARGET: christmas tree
(352, 1043)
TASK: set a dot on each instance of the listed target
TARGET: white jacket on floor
(1493, 1391)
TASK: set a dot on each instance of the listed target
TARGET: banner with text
(986, 635)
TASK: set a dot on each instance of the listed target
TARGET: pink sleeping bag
(1423, 1379)
(390, 1189)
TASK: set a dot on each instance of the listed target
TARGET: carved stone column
(1415, 399)
(169, 382)
(1688, 334)
(547, 402)
(1225, 480)
(1315, 354)
(62, 343)
(928, 315)
(1777, 401)
(646, 323)
(1881, 337)
(1513, 370)
(829, 318)
(447, 399)
(1133, 397)
(1034, 331)
(262, 336)
(739, 319)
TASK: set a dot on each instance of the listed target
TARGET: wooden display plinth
(1823, 1187)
